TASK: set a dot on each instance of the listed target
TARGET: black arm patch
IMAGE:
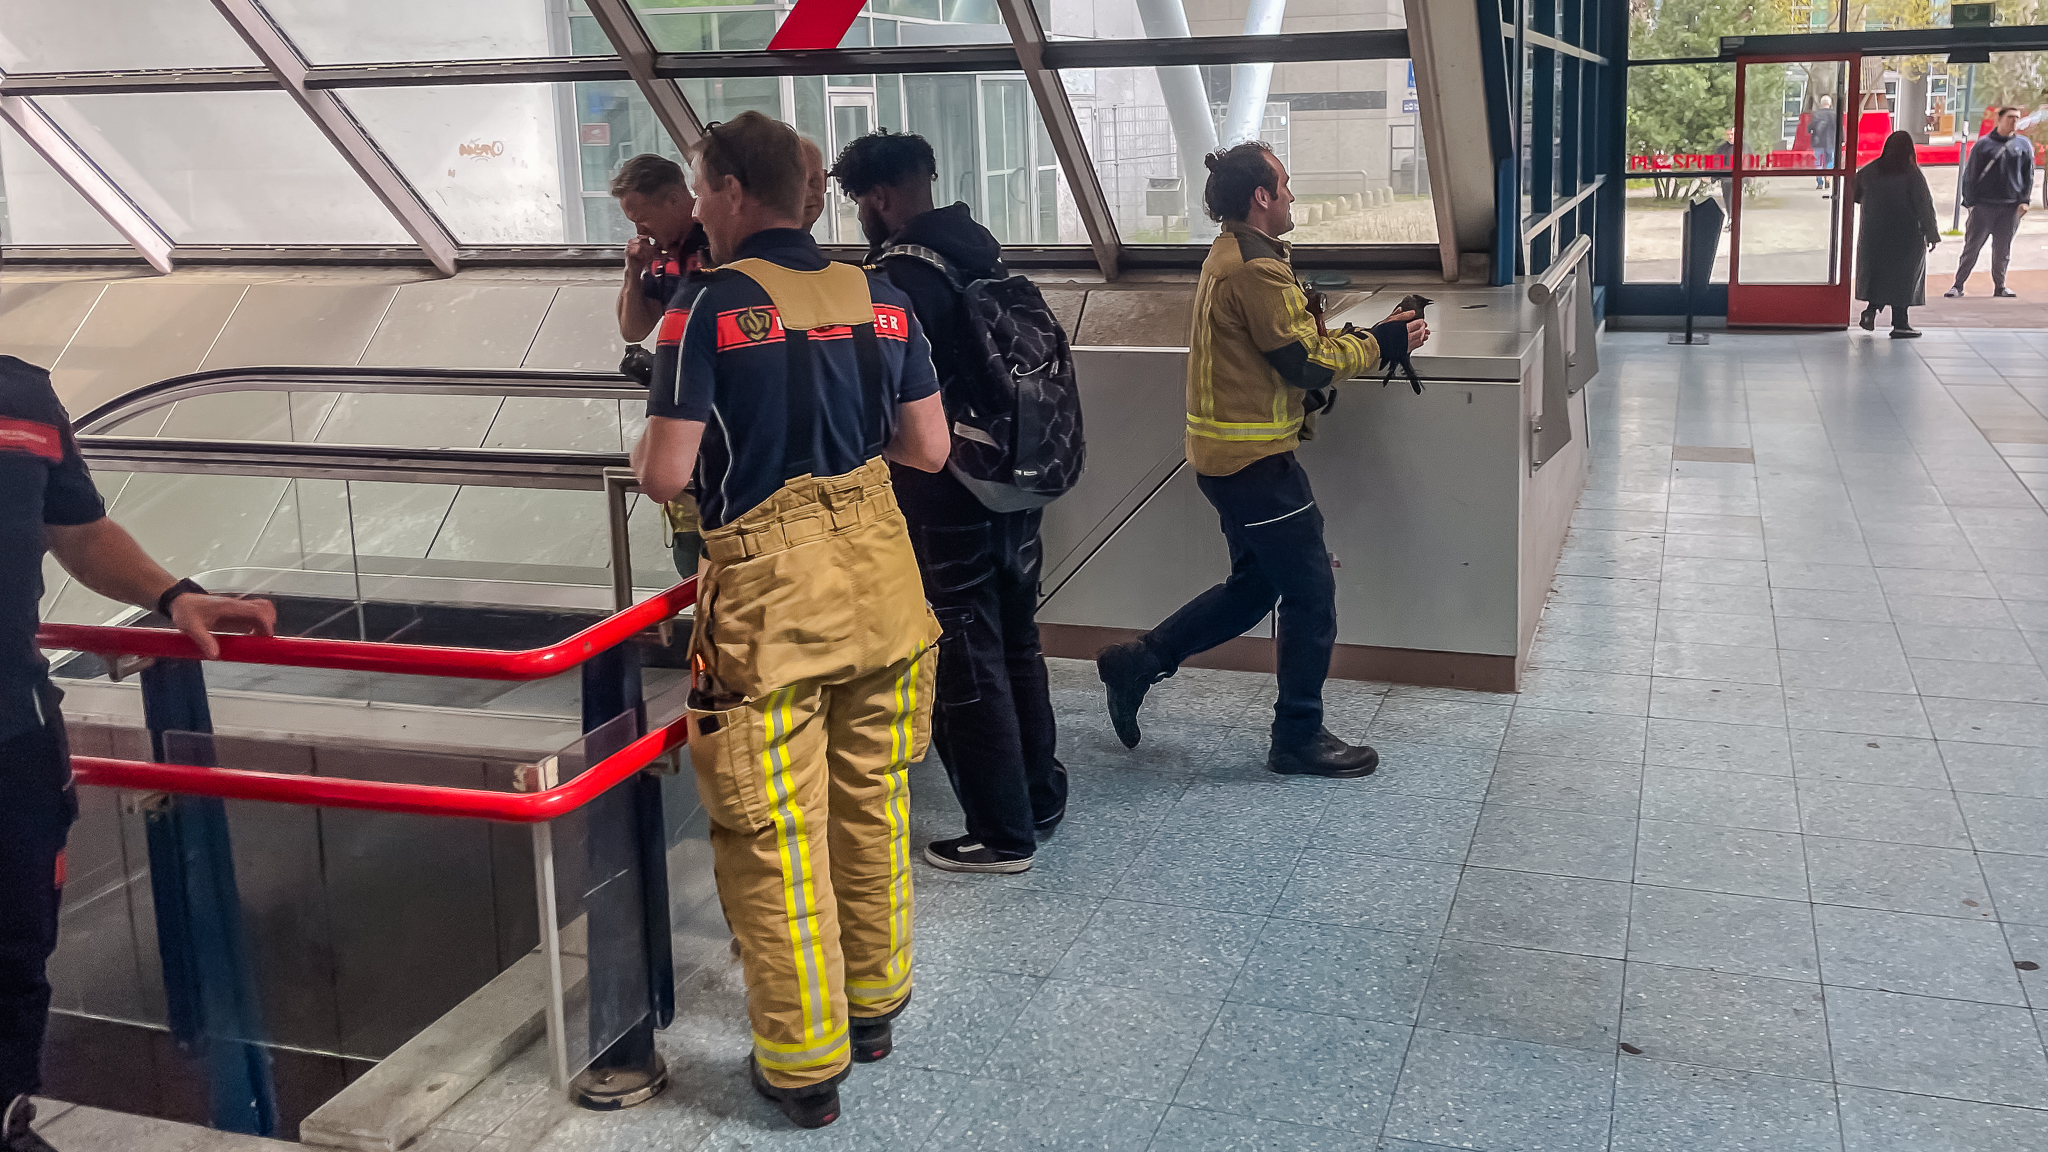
(1296, 368)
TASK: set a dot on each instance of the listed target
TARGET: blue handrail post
(210, 989)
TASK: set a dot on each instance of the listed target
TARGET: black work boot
(812, 1106)
(16, 1135)
(1128, 670)
(1325, 755)
(873, 1037)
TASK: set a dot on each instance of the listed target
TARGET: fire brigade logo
(756, 323)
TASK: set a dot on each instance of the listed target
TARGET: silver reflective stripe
(974, 434)
(1277, 519)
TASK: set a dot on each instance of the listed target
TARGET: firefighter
(786, 386)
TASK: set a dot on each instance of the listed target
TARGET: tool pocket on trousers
(957, 683)
(725, 750)
(954, 558)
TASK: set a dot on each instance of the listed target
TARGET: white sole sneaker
(990, 863)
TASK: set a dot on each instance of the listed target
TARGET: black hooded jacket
(937, 498)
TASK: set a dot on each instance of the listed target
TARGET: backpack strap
(922, 255)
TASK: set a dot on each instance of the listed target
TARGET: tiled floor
(1747, 868)
(77, 1128)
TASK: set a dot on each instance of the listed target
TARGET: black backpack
(1016, 409)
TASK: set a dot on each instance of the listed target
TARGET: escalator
(484, 521)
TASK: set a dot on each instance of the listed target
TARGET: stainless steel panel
(38, 320)
(139, 333)
(460, 323)
(561, 425)
(1132, 407)
(1136, 318)
(301, 324)
(1162, 556)
(323, 522)
(192, 523)
(1066, 305)
(581, 331)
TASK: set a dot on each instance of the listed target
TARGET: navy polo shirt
(719, 358)
(43, 480)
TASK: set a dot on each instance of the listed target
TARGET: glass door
(1796, 124)
(853, 116)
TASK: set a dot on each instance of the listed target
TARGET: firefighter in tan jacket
(1258, 364)
(784, 383)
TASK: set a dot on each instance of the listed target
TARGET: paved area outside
(1757, 863)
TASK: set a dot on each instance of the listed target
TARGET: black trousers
(37, 806)
(992, 721)
(1997, 223)
(1275, 532)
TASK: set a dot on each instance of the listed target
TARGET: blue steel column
(209, 980)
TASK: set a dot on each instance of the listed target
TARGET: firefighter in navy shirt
(48, 503)
(785, 386)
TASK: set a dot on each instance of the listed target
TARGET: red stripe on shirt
(673, 322)
(744, 327)
(35, 439)
(891, 323)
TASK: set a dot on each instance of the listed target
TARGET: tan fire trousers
(814, 664)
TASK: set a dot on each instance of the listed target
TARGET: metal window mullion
(340, 127)
(61, 153)
(636, 50)
(1064, 129)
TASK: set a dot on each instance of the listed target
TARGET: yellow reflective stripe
(897, 804)
(796, 1057)
(865, 993)
(793, 845)
(1225, 430)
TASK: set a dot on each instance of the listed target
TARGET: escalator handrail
(413, 381)
(378, 656)
(379, 796)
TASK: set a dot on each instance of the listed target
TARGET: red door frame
(1798, 305)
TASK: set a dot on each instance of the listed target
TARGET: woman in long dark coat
(1897, 232)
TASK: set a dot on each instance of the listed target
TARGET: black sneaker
(874, 1037)
(1046, 827)
(1323, 756)
(1128, 670)
(16, 1131)
(966, 854)
(1905, 333)
(812, 1106)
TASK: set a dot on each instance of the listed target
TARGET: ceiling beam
(57, 149)
(1061, 125)
(340, 127)
(638, 53)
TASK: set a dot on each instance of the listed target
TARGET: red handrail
(373, 656)
(377, 796)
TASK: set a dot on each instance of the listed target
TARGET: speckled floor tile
(2015, 824)
(1925, 816)
(1301, 1067)
(1383, 823)
(1198, 1130)
(1004, 1116)
(1922, 955)
(1723, 933)
(1747, 1023)
(1123, 797)
(1379, 892)
(1329, 968)
(1520, 994)
(1472, 1092)
(1139, 1043)
(1433, 770)
(1568, 783)
(1846, 710)
(956, 1015)
(1746, 861)
(1588, 735)
(1898, 877)
(1983, 1052)
(997, 929)
(1254, 813)
(1867, 759)
(1459, 723)
(1560, 843)
(1875, 1121)
(1201, 872)
(1529, 910)
(1719, 747)
(1673, 1108)
(1161, 948)
(883, 1107)
(1996, 768)
(1729, 799)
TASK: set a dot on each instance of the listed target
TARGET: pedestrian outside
(1894, 236)
(1257, 362)
(48, 504)
(1997, 181)
(1821, 137)
(993, 719)
(785, 385)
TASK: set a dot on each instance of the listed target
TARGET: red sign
(597, 135)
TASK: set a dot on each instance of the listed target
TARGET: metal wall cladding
(37, 320)
(460, 323)
(302, 324)
(139, 332)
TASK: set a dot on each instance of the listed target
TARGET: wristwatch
(163, 602)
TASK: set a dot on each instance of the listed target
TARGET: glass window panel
(94, 35)
(1679, 136)
(499, 163)
(1666, 29)
(680, 26)
(38, 207)
(1125, 19)
(226, 167)
(382, 31)
(1349, 132)
(1790, 229)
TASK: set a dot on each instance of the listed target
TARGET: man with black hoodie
(1998, 180)
(993, 719)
